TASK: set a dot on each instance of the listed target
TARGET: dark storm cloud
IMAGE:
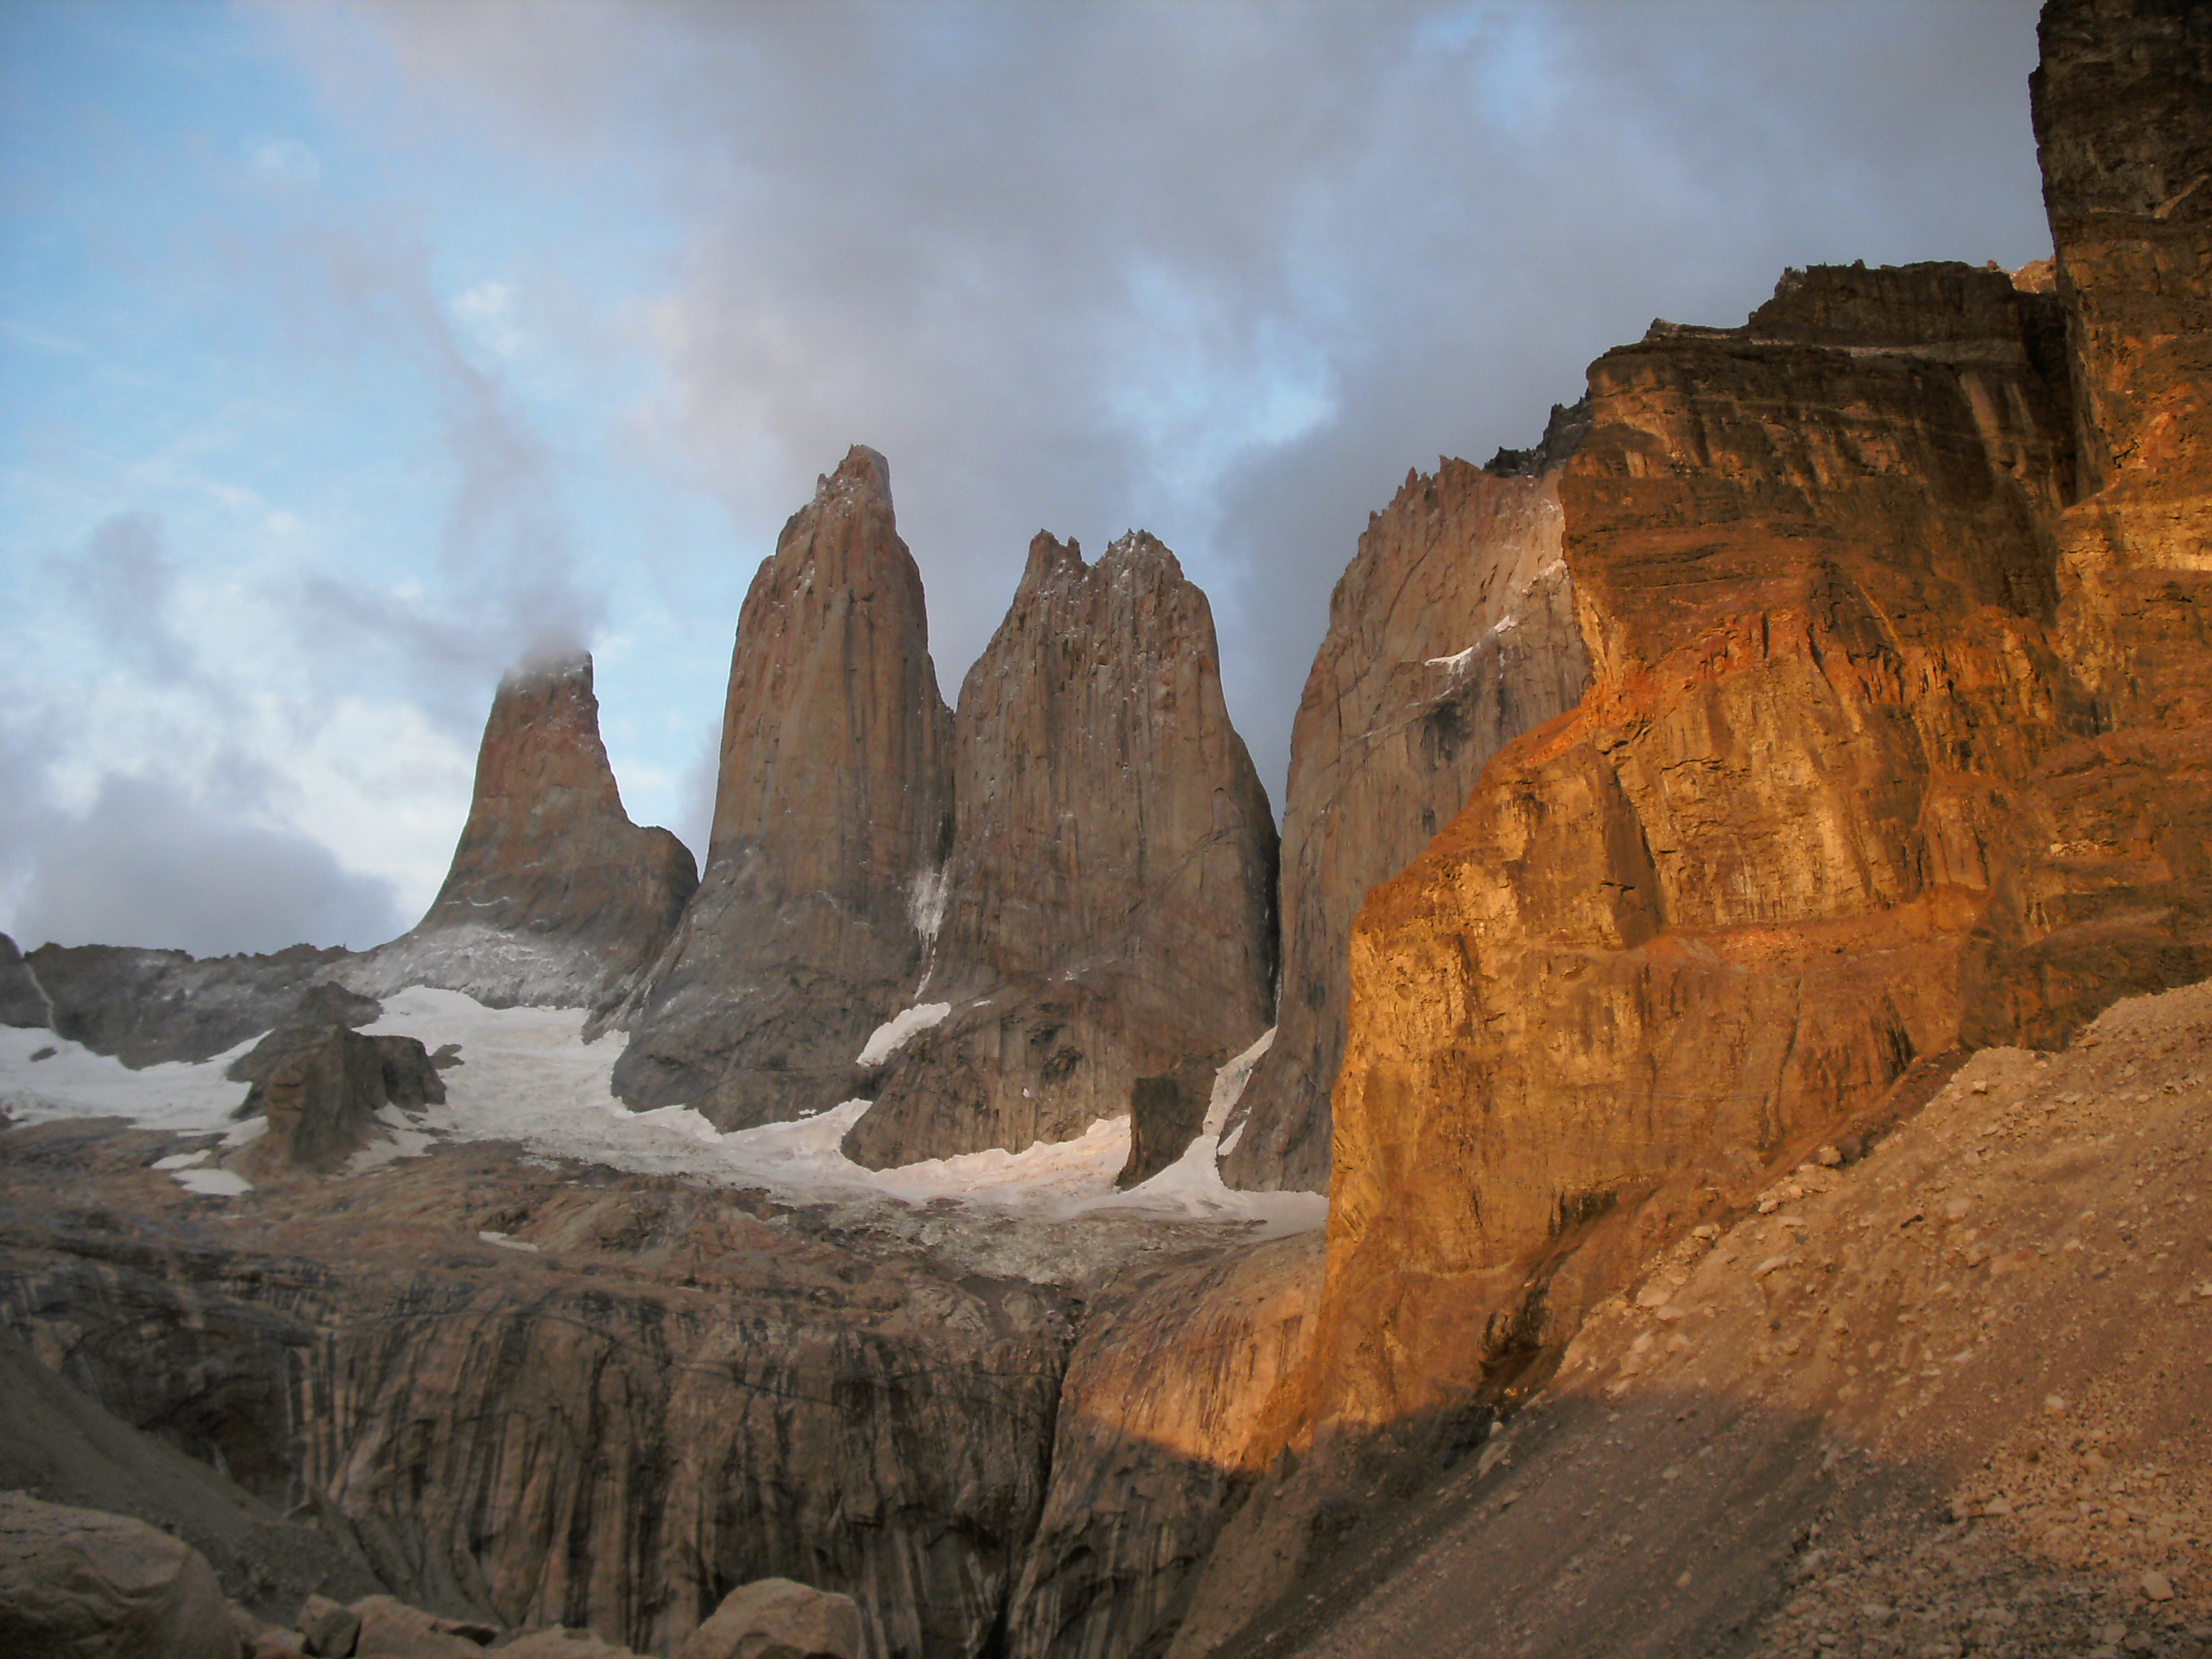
(1223, 269)
(149, 864)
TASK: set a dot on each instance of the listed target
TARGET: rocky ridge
(1451, 632)
(554, 897)
(832, 810)
(1107, 917)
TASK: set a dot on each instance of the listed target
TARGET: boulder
(390, 1629)
(1107, 912)
(331, 1630)
(777, 1618)
(323, 1098)
(81, 1584)
(555, 898)
(832, 807)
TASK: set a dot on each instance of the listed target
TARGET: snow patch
(507, 1243)
(212, 1183)
(925, 904)
(888, 1038)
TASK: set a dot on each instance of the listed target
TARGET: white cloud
(286, 160)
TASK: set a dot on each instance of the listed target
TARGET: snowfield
(528, 1077)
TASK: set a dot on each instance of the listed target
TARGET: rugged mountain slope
(1451, 632)
(1108, 937)
(554, 897)
(1949, 1397)
(1715, 913)
(635, 1397)
(832, 809)
(146, 1008)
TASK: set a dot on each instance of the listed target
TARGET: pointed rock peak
(863, 470)
(1049, 556)
(1137, 549)
(547, 666)
(860, 490)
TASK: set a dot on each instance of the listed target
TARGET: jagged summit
(831, 804)
(553, 896)
(1108, 916)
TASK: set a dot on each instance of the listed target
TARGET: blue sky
(346, 350)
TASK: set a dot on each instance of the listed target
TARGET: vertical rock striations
(554, 897)
(2108, 886)
(1108, 923)
(1451, 633)
(831, 812)
(2123, 107)
(1700, 925)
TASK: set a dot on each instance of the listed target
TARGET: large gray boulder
(82, 1584)
(778, 1618)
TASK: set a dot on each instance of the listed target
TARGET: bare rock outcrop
(640, 1396)
(1704, 921)
(1451, 632)
(1108, 914)
(555, 898)
(1161, 1418)
(96, 1586)
(832, 811)
(21, 1003)
(323, 1097)
(145, 1007)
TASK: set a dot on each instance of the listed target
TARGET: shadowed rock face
(1451, 632)
(21, 1002)
(1107, 918)
(554, 897)
(831, 809)
(1704, 921)
(665, 1393)
(146, 1008)
(1160, 1418)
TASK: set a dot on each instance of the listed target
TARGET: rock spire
(554, 897)
(1108, 926)
(831, 809)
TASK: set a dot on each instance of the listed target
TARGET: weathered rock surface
(1707, 919)
(79, 1584)
(1160, 1418)
(323, 1097)
(680, 1391)
(2123, 107)
(1941, 1399)
(145, 1007)
(777, 1618)
(554, 897)
(321, 1010)
(1107, 917)
(832, 811)
(60, 1446)
(1451, 633)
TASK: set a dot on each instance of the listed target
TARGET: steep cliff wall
(1451, 633)
(832, 809)
(554, 897)
(1108, 912)
(1704, 921)
(646, 1396)
(1161, 1416)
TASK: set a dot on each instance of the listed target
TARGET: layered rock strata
(554, 897)
(1712, 916)
(1451, 633)
(832, 811)
(1107, 912)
